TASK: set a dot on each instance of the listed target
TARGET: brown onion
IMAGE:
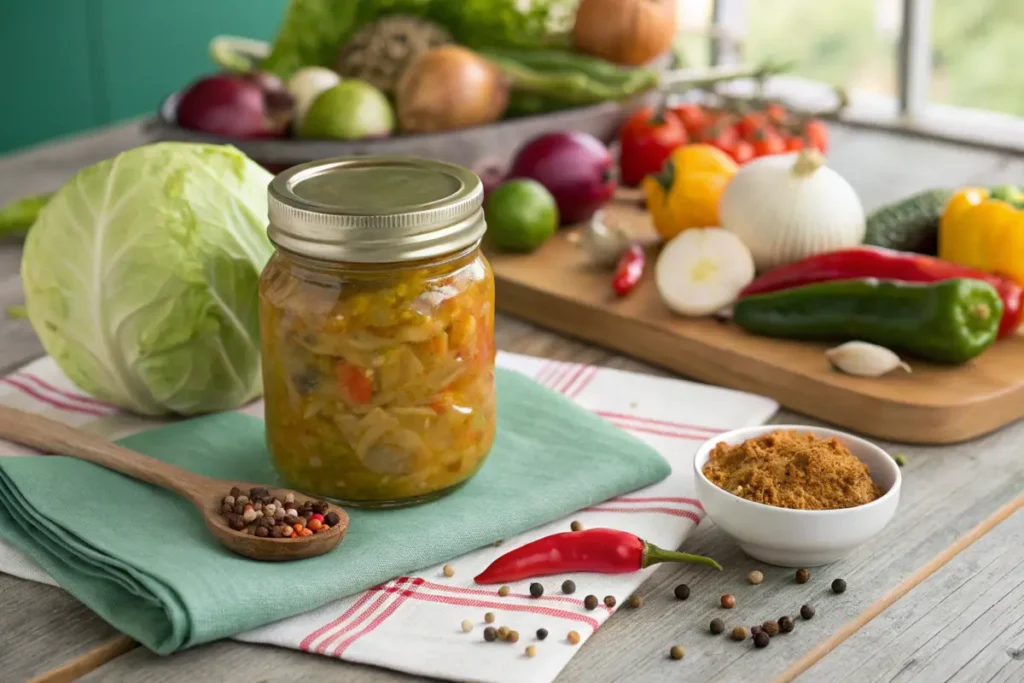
(448, 88)
(630, 32)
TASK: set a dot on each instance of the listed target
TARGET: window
(946, 68)
(977, 53)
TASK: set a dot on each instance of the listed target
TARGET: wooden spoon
(205, 493)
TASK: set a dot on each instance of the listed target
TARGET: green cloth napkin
(143, 560)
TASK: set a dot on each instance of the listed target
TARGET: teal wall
(72, 65)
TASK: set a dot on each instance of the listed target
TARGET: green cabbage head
(140, 278)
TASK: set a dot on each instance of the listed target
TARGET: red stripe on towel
(711, 431)
(56, 403)
(66, 394)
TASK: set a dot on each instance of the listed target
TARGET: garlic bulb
(786, 207)
(864, 359)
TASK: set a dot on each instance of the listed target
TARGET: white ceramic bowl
(799, 538)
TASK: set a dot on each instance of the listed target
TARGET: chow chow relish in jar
(377, 322)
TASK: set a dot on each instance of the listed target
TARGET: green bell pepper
(948, 322)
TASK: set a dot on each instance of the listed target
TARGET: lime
(521, 215)
(351, 110)
(238, 54)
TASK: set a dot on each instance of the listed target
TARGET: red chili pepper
(646, 141)
(630, 270)
(605, 551)
(888, 264)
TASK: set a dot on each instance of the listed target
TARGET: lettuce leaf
(313, 30)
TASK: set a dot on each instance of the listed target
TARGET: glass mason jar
(377, 321)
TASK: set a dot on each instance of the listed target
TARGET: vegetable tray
(478, 148)
(556, 287)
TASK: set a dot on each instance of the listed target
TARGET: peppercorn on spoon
(204, 493)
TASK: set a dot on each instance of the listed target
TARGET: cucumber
(911, 224)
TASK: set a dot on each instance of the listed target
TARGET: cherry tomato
(742, 152)
(816, 134)
(794, 143)
(767, 142)
(692, 116)
(776, 113)
(748, 124)
(722, 135)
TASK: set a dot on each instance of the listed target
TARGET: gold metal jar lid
(376, 209)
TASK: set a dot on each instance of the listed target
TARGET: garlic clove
(603, 243)
(864, 359)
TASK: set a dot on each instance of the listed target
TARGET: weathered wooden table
(964, 623)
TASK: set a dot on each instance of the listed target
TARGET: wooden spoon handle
(54, 437)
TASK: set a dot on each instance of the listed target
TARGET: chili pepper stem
(654, 555)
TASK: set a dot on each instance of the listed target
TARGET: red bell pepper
(605, 551)
(888, 264)
(646, 141)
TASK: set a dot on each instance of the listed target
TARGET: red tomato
(692, 116)
(767, 142)
(646, 141)
(817, 135)
(742, 152)
(776, 113)
(748, 124)
(794, 143)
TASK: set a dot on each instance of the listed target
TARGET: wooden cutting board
(555, 287)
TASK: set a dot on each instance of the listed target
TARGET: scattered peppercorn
(676, 652)
(568, 587)
(609, 601)
(807, 612)
(728, 601)
(761, 639)
(635, 601)
(770, 627)
(513, 637)
(531, 650)
(331, 518)
(504, 590)
(682, 591)
(536, 589)
(900, 459)
(542, 633)
(755, 578)
(503, 632)
(786, 624)
(755, 629)
(576, 526)
(489, 617)
(838, 586)
(448, 570)
(802, 576)
(573, 637)
(717, 626)
(739, 633)
(590, 602)
(490, 634)
(467, 625)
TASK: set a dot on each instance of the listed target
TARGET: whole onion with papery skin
(251, 105)
(575, 167)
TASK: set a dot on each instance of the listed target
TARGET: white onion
(787, 207)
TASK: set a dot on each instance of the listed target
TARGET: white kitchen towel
(413, 623)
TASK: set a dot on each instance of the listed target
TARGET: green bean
(563, 61)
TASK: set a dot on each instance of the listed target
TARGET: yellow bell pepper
(985, 230)
(685, 194)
